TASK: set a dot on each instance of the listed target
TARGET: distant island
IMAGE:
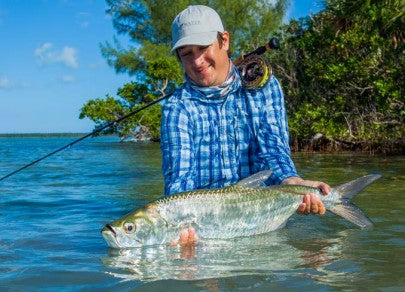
(40, 135)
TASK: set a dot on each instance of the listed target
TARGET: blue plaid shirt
(215, 142)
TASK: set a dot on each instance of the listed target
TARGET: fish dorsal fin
(350, 189)
(255, 180)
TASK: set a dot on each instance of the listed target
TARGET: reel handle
(273, 44)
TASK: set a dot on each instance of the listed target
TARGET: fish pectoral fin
(255, 180)
(352, 213)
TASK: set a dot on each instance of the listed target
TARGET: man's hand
(310, 203)
(187, 237)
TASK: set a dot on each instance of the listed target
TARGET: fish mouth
(113, 239)
(110, 236)
(108, 227)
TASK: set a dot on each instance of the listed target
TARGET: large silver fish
(244, 209)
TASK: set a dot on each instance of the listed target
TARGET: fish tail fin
(346, 209)
(352, 213)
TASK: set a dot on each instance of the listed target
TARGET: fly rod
(88, 135)
(243, 63)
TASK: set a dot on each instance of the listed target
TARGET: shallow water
(51, 215)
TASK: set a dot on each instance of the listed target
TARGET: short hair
(220, 42)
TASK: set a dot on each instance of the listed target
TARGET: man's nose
(198, 59)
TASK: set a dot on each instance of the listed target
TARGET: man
(214, 132)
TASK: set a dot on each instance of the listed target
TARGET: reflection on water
(209, 259)
(51, 216)
(256, 255)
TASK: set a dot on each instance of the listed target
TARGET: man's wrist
(292, 180)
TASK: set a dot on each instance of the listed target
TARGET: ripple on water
(52, 213)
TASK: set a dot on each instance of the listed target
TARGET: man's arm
(176, 146)
(273, 134)
(276, 149)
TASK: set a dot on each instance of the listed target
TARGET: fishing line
(253, 70)
(88, 135)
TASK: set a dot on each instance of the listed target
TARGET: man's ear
(225, 40)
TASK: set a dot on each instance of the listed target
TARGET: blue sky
(51, 64)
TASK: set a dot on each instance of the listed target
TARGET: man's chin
(205, 82)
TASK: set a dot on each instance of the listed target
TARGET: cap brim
(198, 39)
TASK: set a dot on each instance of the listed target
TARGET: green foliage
(141, 126)
(149, 22)
(342, 72)
(250, 23)
(341, 69)
(156, 73)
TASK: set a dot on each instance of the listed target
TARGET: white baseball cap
(195, 25)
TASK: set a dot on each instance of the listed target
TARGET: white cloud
(69, 57)
(82, 18)
(5, 83)
(47, 55)
(39, 52)
(68, 78)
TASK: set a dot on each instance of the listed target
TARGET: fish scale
(229, 212)
(244, 209)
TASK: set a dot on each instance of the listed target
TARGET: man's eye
(185, 54)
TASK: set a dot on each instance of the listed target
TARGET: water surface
(51, 215)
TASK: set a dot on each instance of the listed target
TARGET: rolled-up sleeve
(273, 135)
(176, 147)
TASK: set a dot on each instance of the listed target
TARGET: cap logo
(194, 22)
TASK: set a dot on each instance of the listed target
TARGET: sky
(51, 63)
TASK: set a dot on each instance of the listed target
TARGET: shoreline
(322, 145)
(325, 145)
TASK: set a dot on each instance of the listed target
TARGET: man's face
(206, 65)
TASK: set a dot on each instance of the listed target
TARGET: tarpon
(244, 209)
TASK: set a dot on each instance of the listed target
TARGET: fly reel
(253, 69)
(254, 72)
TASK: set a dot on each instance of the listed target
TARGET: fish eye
(129, 227)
